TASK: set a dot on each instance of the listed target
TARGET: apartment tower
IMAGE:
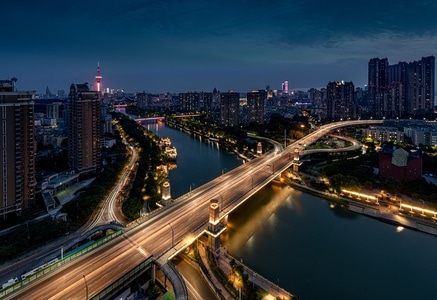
(17, 149)
(401, 90)
(340, 102)
(255, 106)
(83, 129)
(230, 108)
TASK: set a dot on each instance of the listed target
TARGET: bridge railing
(41, 272)
(123, 281)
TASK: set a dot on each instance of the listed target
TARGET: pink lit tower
(98, 78)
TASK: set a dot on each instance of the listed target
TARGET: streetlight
(191, 185)
(172, 235)
(86, 287)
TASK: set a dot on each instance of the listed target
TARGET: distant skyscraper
(340, 101)
(83, 129)
(420, 87)
(230, 108)
(255, 106)
(98, 78)
(378, 83)
(17, 149)
(285, 87)
(189, 101)
(403, 89)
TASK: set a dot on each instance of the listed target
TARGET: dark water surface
(309, 248)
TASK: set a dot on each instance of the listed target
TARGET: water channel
(308, 247)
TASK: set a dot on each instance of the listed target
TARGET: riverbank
(221, 142)
(389, 213)
(224, 261)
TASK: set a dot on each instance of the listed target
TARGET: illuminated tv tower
(98, 77)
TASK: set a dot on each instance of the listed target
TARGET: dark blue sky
(187, 45)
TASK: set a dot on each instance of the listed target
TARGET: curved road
(172, 228)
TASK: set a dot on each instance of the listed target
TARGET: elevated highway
(165, 234)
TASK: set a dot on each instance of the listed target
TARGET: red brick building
(399, 163)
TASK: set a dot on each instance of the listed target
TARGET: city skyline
(170, 46)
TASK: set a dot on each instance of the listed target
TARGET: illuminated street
(178, 224)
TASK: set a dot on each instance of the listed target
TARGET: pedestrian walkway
(224, 263)
(275, 292)
(217, 286)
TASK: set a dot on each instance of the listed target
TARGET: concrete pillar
(153, 273)
(259, 148)
(296, 160)
(166, 194)
(214, 226)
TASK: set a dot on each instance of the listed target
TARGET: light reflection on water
(261, 208)
(309, 248)
(320, 252)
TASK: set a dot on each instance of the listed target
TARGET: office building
(17, 148)
(83, 129)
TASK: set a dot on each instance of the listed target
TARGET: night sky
(196, 45)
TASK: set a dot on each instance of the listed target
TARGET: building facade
(255, 106)
(401, 90)
(189, 101)
(400, 164)
(377, 84)
(340, 101)
(84, 153)
(17, 148)
(230, 108)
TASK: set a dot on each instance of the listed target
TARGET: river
(300, 242)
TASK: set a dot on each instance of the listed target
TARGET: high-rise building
(285, 87)
(230, 108)
(255, 106)
(83, 129)
(189, 101)
(206, 101)
(403, 89)
(420, 87)
(340, 102)
(378, 83)
(17, 149)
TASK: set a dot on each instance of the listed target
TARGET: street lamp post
(285, 138)
(172, 235)
(86, 287)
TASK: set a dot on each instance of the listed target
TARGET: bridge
(163, 235)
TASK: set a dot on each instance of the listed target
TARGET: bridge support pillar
(215, 228)
(296, 161)
(153, 273)
(166, 194)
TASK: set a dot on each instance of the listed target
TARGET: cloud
(217, 36)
